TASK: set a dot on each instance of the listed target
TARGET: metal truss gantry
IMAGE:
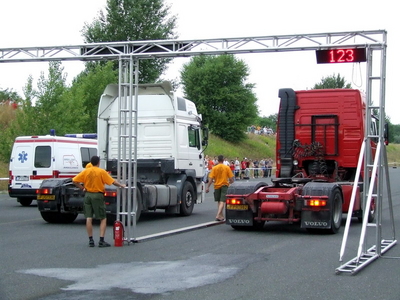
(129, 54)
(185, 48)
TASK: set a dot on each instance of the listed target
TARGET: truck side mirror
(205, 136)
(386, 133)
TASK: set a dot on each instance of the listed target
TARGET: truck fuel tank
(275, 208)
(160, 196)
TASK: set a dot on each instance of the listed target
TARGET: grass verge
(3, 174)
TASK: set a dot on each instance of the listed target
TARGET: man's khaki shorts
(220, 194)
(94, 205)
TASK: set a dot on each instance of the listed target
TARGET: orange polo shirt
(94, 179)
(221, 174)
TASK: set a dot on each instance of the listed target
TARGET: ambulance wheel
(187, 199)
(25, 201)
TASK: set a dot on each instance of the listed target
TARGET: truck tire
(371, 214)
(111, 218)
(336, 200)
(336, 216)
(187, 199)
(68, 218)
(25, 201)
(57, 217)
(49, 217)
(139, 206)
(372, 209)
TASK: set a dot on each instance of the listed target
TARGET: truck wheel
(336, 216)
(139, 205)
(258, 225)
(25, 201)
(50, 217)
(68, 218)
(111, 218)
(57, 217)
(187, 199)
(371, 215)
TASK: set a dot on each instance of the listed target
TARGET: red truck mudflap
(315, 205)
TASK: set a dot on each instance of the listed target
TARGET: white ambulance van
(34, 158)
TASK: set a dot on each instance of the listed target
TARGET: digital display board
(335, 56)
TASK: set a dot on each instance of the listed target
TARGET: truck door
(195, 149)
(374, 132)
(189, 148)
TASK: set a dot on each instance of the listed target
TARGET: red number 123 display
(335, 56)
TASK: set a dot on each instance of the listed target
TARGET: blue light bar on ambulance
(82, 135)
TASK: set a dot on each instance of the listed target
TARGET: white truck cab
(170, 140)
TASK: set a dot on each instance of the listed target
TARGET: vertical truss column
(127, 144)
(374, 165)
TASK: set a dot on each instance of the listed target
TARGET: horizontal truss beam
(150, 49)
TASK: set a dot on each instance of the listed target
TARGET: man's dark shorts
(220, 194)
(94, 205)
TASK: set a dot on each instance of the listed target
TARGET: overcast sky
(50, 23)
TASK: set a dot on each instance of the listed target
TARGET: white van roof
(52, 139)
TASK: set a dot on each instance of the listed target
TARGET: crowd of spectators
(243, 169)
(260, 130)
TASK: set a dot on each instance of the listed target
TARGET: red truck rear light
(234, 201)
(315, 202)
(110, 194)
(45, 195)
(45, 191)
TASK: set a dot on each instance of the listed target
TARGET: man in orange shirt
(93, 180)
(210, 164)
(222, 176)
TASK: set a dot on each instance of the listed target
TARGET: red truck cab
(319, 138)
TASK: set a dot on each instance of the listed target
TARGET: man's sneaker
(91, 243)
(104, 244)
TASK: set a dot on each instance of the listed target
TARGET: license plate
(21, 178)
(46, 197)
(237, 207)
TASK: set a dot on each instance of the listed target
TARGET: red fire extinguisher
(118, 234)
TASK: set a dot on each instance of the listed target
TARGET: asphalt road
(50, 261)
